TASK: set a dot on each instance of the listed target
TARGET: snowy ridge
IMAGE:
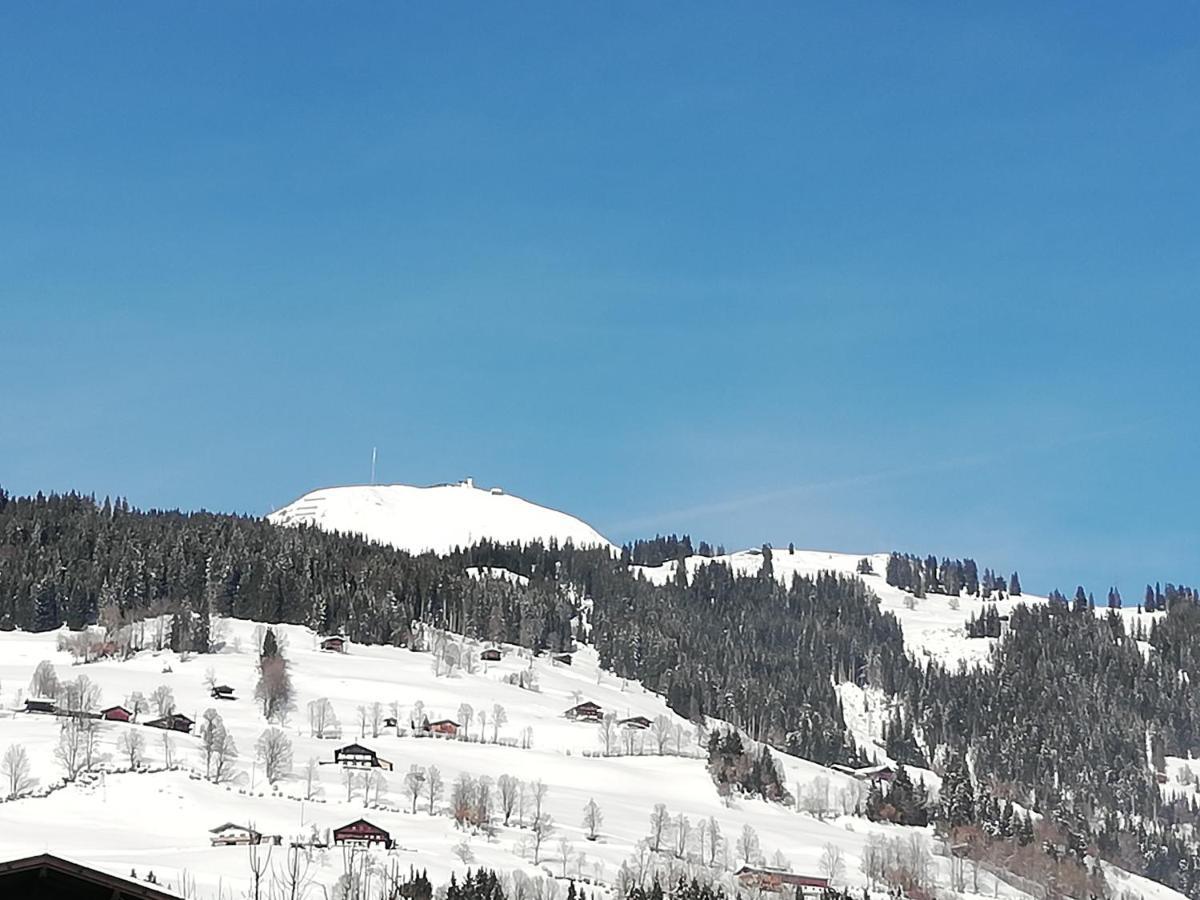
(437, 518)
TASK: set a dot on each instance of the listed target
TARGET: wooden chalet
(562, 658)
(389, 722)
(491, 655)
(116, 714)
(223, 692)
(775, 880)
(334, 642)
(50, 876)
(47, 707)
(639, 722)
(231, 834)
(444, 727)
(173, 722)
(356, 756)
(587, 710)
(362, 832)
(867, 773)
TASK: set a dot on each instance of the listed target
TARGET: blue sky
(869, 277)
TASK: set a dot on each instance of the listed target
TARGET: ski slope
(437, 518)
(160, 821)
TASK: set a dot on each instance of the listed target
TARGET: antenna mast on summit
(373, 465)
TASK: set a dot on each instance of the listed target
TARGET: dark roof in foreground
(47, 877)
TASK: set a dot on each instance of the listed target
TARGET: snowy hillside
(436, 518)
(934, 625)
(161, 820)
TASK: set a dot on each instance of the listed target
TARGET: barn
(587, 710)
(335, 642)
(491, 655)
(362, 832)
(41, 706)
(445, 727)
(774, 880)
(173, 722)
(222, 692)
(231, 834)
(637, 722)
(116, 714)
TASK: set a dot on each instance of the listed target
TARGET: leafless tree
(747, 845)
(137, 704)
(376, 783)
(350, 779)
(376, 718)
(433, 787)
(465, 714)
(80, 695)
(537, 797)
(714, 840)
(832, 865)
(210, 678)
(815, 798)
(483, 717)
(312, 778)
(168, 749)
(45, 680)
(541, 830)
(608, 732)
(660, 825)
(499, 717)
(15, 770)
(71, 749)
(294, 876)
(593, 818)
(363, 716)
(660, 730)
(133, 746)
(414, 783)
(321, 717)
(274, 751)
(683, 833)
(163, 699)
(462, 799)
(565, 852)
(260, 864)
(507, 785)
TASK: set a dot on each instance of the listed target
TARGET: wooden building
(444, 727)
(491, 655)
(362, 832)
(223, 692)
(48, 707)
(231, 834)
(46, 876)
(116, 714)
(356, 756)
(587, 710)
(775, 880)
(335, 642)
(173, 722)
(638, 722)
(562, 658)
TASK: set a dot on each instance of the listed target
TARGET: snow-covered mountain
(437, 518)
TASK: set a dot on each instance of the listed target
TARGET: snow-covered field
(437, 518)
(160, 821)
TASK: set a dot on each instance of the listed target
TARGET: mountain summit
(436, 518)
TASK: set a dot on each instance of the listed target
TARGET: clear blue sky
(863, 276)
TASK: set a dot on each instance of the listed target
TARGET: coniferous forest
(1071, 719)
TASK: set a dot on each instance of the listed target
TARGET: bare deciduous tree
(414, 783)
(312, 778)
(274, 688)
(137, 704)
(832, 864)
(660, 825)
(499, 717)
(661, 729)
(45, 680)
(274, 751)
(133, 746)
(15, 770)
(508, 787)
(321, 717)
(608, 732)
(74, 735)
(433, 787)
(593, 818)
(163, 699)
(747, 847)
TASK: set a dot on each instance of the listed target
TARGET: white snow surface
(161, 820)
(437, 518)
